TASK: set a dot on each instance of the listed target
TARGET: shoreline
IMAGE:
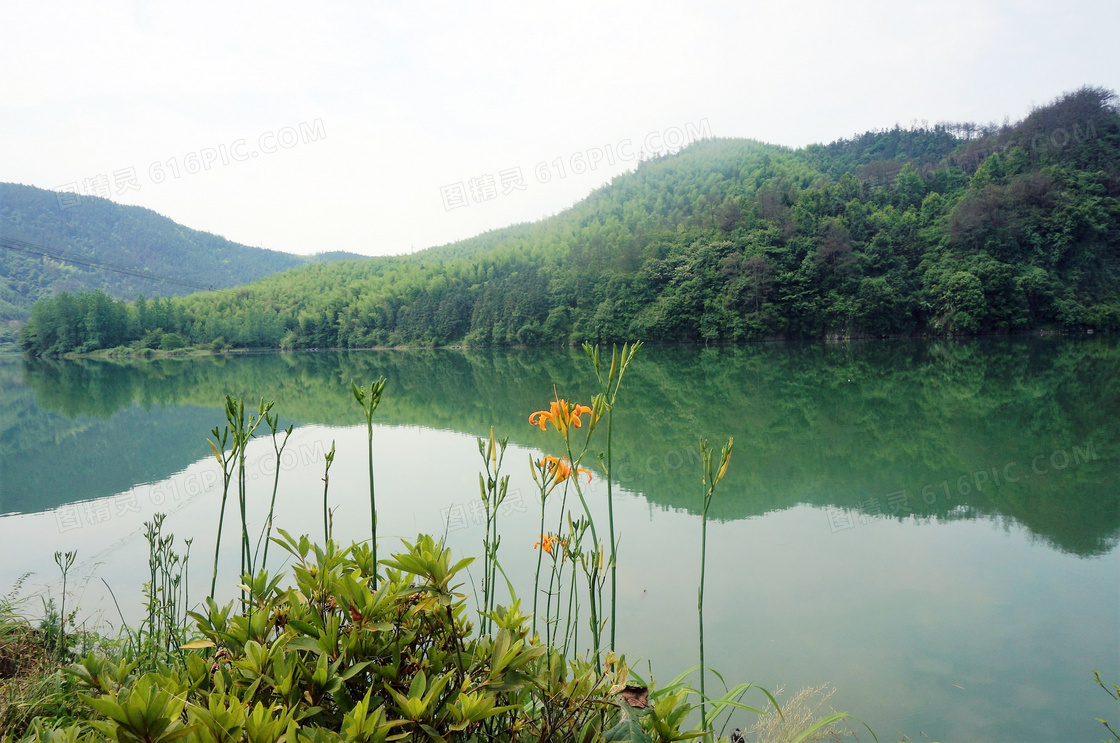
(200, 351)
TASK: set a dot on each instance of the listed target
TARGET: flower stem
(610, 520)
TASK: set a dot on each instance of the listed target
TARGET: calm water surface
(930, 527)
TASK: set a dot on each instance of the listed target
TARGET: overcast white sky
(401, 103)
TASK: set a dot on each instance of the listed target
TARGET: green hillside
(124, 251)
(954, 229)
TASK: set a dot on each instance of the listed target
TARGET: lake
(929, 526)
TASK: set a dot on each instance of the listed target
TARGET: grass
(31, 682)
(801, 719)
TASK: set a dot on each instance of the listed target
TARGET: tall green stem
(579, 492)
(492, 491)
(266, 532)
(700, 610)
(326, 485)
(609, 386)
(556, 575)
(593, 573)
(573, 623)
(246, 558)
(712, 476)
(64, 562)
(186, 585)
(369, 399)
(610, 522)
(218, 540)
(372, 499)
(548, 605)
(540, 558)
(218, 446)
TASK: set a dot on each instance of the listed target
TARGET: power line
(22, 246)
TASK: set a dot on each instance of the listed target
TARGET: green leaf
(630, 729)
(305, 643)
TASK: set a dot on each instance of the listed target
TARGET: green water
(931, 527)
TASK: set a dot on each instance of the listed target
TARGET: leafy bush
(170, 342)
(331, 659)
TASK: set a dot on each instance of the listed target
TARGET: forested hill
(123, 250)
(950, 229)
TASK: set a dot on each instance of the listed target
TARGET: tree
(909, 189)
(962, 305)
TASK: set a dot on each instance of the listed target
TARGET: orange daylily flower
(548, 542)
(562, 414)
(561, 469)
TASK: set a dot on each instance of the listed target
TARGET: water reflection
(1019, 429)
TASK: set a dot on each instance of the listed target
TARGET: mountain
(951, 229)
(52, 242)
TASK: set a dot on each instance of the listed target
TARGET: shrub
(332, 659)
(170, 342)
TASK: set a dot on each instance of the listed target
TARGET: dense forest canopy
(950, 229)
(52, 243)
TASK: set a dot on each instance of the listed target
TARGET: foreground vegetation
(941, 230)
(361, 649)
(330, 659)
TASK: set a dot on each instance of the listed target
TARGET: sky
(382, 128)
